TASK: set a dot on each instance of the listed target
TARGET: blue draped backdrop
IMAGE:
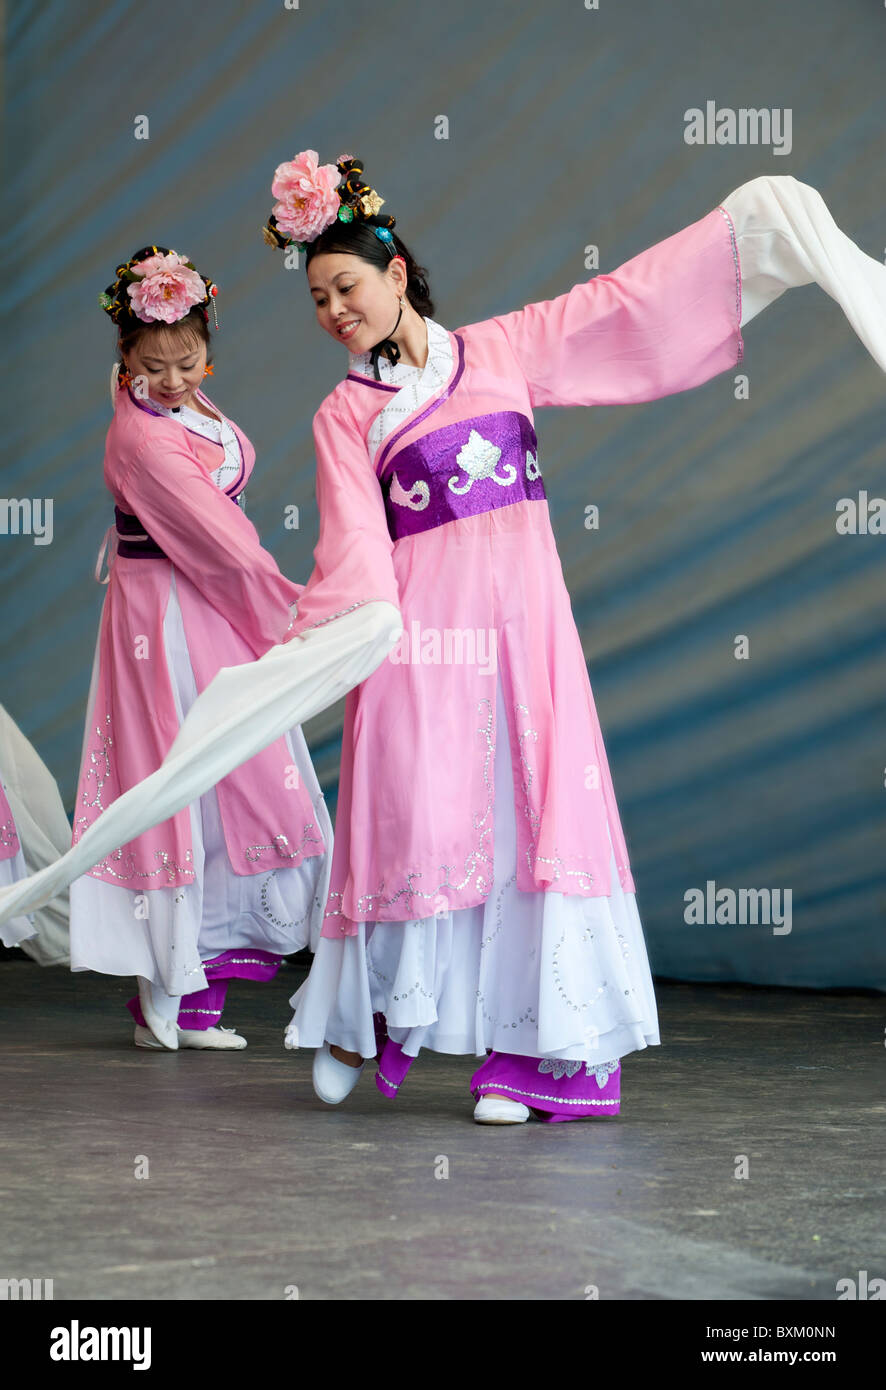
(717, 514)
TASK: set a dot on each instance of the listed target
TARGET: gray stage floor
(254, 1186)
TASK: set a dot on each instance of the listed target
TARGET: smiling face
(173, 364)
(356, 303)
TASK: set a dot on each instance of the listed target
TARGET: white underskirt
(537, 974)
(280, 911)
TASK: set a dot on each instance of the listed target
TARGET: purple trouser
(543, 1084)
(204, 1009)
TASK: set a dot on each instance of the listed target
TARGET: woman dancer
(229, 886)
(498, 800)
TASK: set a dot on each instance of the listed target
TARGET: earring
(207, 370)
(124, 377)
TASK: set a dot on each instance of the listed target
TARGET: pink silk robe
(396, 470)
(235, 604)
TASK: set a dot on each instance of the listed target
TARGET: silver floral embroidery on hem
(100, 771)
(528, 1014)
(585, 878)
(539, 1095)
(558, 1067)
(234, 960)
(266, 907)
(254, 852)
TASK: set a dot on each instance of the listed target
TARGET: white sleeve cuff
(786, 236)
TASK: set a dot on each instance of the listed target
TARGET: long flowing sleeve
(208, 537)
(663, 322)
(787, 236)
(348, 621)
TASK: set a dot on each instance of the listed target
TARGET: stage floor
(254, 1187)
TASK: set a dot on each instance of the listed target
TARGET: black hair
(358, 239)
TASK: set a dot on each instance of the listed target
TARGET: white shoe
(145, 1038)
(210, 1038)
(492, 1110)
(163, 1029)
(290, 1038)
(333, 1080)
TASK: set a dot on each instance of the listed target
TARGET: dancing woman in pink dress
(232, 883)
(481, 899)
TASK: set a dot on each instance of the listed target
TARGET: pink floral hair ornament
(157, 286)
(311, 197)
(166, 288)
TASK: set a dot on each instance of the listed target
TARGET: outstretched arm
(665, 321)
(670, 318)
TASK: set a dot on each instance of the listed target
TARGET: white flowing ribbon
(241, 711)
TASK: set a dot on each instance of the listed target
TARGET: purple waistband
(463, 469)
(133, 541)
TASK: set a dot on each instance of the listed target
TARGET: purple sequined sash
(463, 469)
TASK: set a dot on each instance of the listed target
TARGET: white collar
(193, 419)
(398, 373)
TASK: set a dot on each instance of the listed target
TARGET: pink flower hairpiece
(165, 289)
(312, 196)
(307, 194)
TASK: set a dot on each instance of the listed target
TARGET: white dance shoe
(492, 1110)
(333, 1080)
(163, 1030)
(210, 1038)
(290, 1037)
(216, 1039)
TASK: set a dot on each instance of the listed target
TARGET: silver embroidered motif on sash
(478, 459)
